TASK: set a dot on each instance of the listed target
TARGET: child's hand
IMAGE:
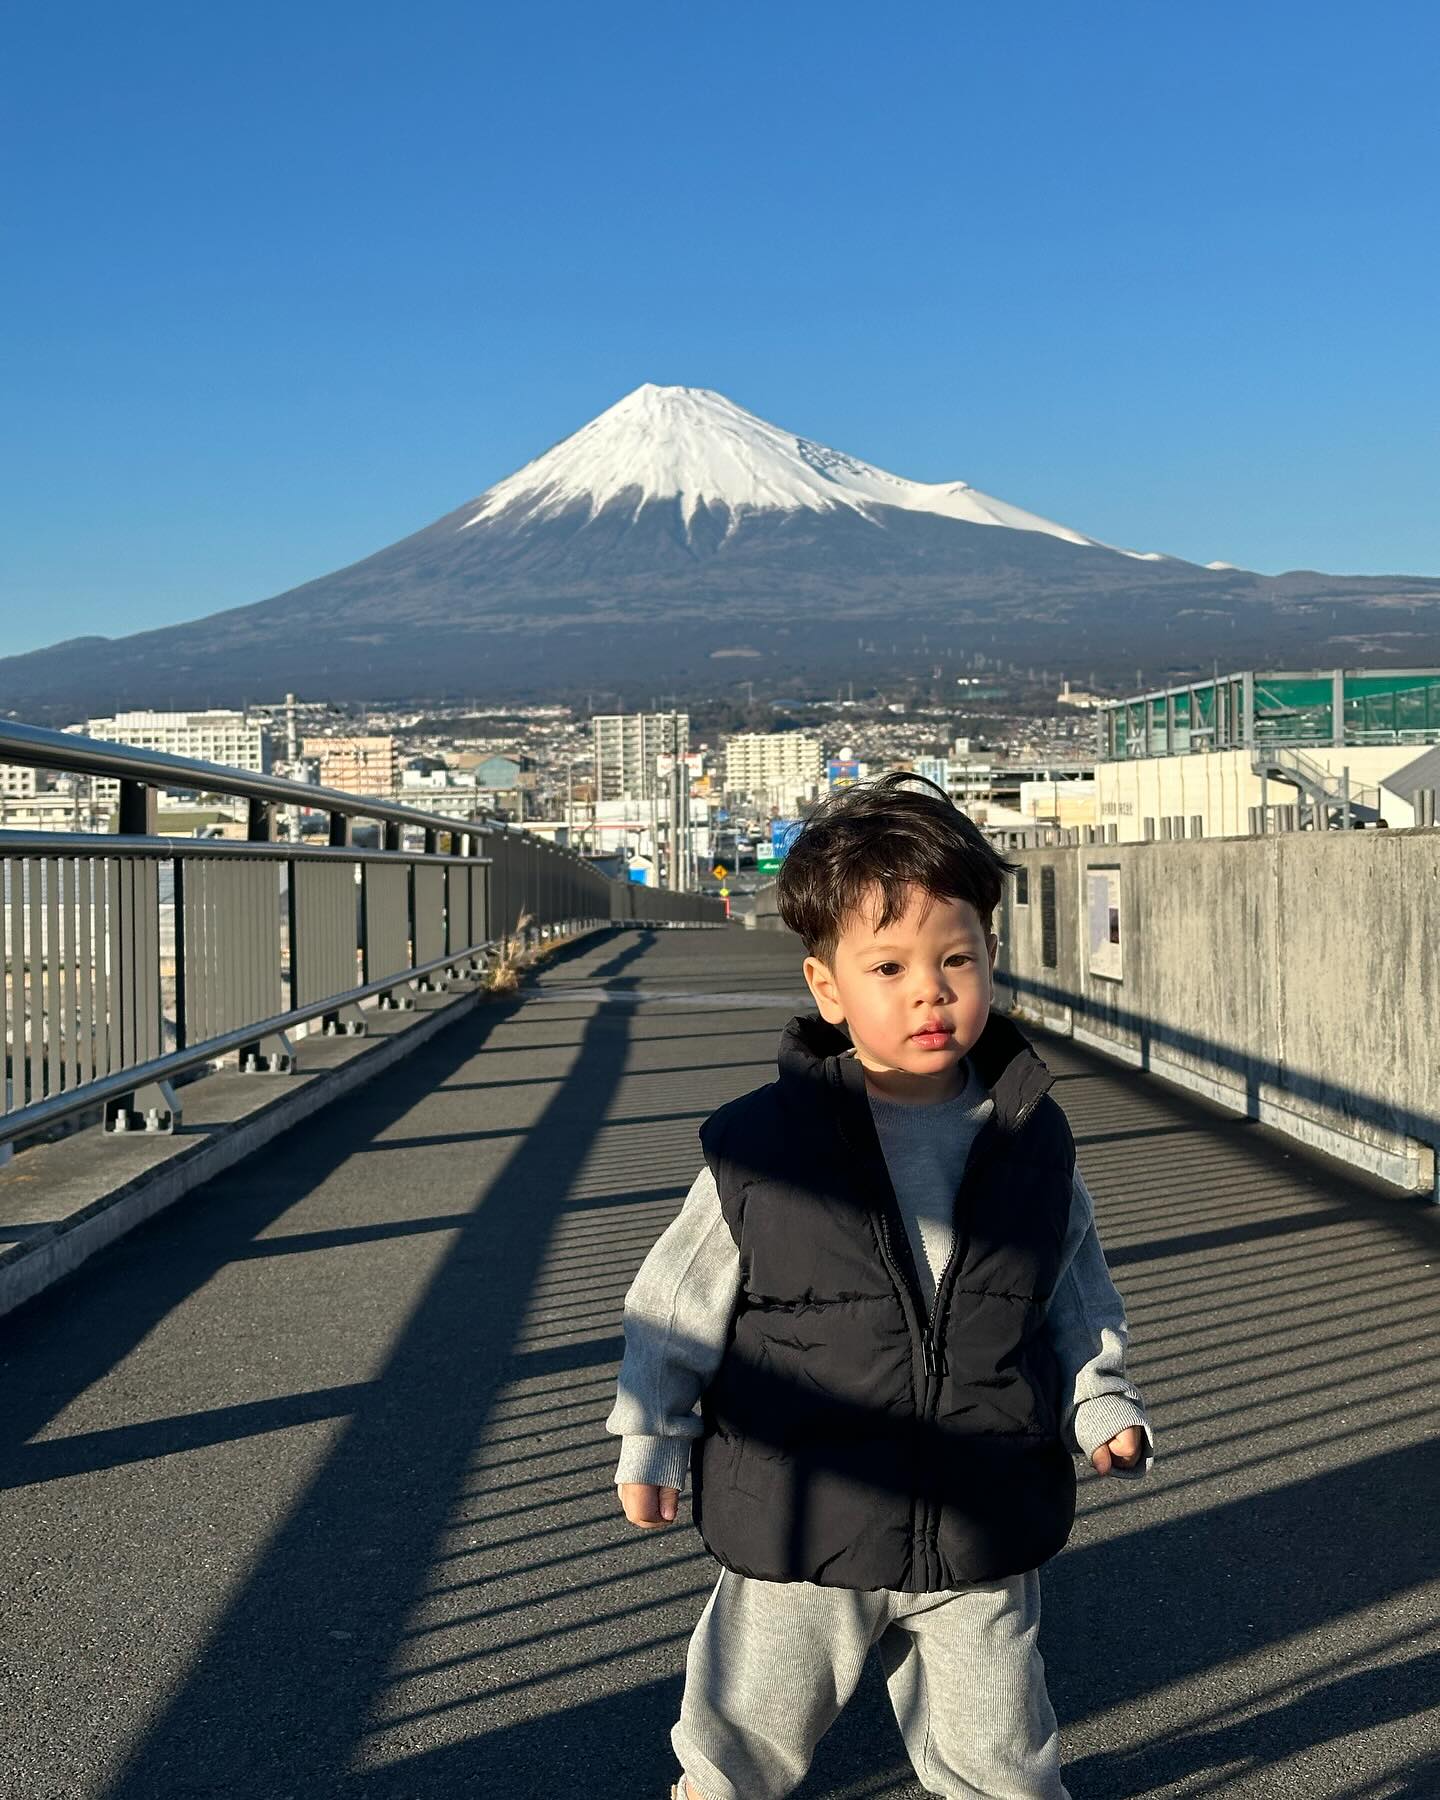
(651, 1508)
(1122, 1452)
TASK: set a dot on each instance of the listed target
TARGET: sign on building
(842, 774)
(1103, 906)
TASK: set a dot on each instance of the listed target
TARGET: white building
(781, 771)
(1212, 793)
(626, 747)
(231, 738)
(18, 782)
(52, 809)
(437, 781)
(1261, 748)
(1072, 801)
(216, 736)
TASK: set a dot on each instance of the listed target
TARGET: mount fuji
(678, 542)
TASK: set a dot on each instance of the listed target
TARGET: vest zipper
(932, 1350)
(936, 1364)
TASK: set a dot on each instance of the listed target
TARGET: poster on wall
(1103, 894)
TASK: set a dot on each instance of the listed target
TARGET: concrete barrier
(1293, 978)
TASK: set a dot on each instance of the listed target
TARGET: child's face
(930, 967)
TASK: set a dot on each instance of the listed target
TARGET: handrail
(88, 921)
(1285, 763)
(71, 753)
(94, 843)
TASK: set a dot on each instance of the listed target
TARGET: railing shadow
(154, 1269)
(1336, 1105)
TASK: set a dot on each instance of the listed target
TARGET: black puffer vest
(849, 1439)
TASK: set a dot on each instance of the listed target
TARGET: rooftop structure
(1335, 707)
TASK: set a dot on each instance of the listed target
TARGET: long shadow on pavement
(263, 1712)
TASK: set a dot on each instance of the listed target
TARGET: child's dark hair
(898, 832)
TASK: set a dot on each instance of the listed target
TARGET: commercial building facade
(1217, 758)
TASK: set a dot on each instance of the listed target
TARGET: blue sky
(283, 283)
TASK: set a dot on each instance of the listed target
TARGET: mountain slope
(676, 532)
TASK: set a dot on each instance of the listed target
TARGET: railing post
(134, 943)
(138, 812)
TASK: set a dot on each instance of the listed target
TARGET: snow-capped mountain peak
(695, 446)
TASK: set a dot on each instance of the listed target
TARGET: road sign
(719, 871)
(768, 865)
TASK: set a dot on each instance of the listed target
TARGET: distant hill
(678, 542)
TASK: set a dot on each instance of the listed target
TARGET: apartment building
(780, 771)
(627, 746)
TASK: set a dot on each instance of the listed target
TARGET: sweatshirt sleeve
(677, 1319)
(1089, 1334)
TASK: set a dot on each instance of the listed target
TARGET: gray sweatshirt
(680, 1306)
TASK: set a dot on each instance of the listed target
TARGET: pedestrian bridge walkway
(308, 1492)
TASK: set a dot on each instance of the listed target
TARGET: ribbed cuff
(654, 1461)
(1105, 1417)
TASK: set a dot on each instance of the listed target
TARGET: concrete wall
(1295, 979)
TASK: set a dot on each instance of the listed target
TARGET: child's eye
(887, 968)
(959, 957)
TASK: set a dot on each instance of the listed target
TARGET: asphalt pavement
(307, 1491)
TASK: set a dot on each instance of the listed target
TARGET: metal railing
(132, 959)
(1329, 798)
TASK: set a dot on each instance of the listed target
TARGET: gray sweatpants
(772, 1663)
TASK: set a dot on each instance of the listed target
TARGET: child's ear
(992, 944)
(821, 984)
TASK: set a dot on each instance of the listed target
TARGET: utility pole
(655, 817)
(292, 756)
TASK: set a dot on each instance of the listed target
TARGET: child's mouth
(932, 1039)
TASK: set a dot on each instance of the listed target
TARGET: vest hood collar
(813, 1053)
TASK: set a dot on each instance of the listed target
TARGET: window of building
(1022, 887)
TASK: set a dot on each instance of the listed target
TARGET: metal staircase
(1330, 800)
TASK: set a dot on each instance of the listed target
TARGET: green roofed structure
(1250, 750)
(1329, 707)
